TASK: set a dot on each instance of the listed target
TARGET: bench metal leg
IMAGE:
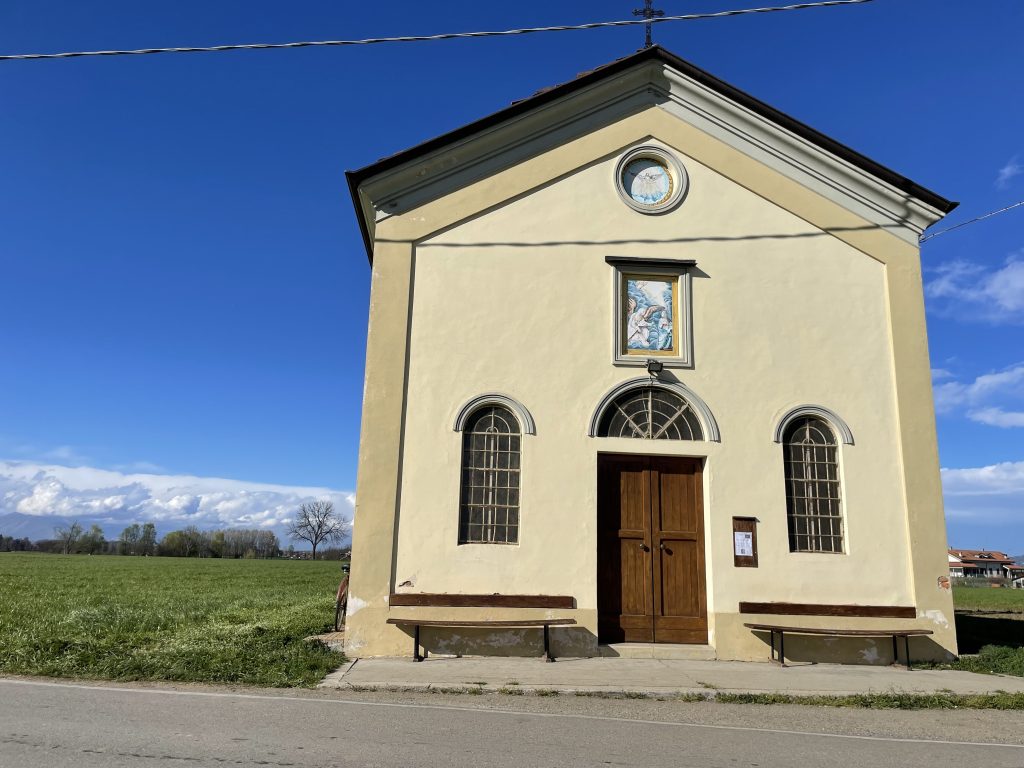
(780, 654)
(906, 651)
(416, 644)
(547, 644)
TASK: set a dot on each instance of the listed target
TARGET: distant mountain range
(37, 527)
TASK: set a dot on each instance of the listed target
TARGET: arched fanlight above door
(649, 409)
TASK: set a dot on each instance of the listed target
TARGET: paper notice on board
(743, 543)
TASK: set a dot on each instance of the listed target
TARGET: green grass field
(134, 618)
(988, 599)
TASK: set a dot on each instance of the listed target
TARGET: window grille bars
(813, 498)
(489, 497)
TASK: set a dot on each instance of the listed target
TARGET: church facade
(646, 344)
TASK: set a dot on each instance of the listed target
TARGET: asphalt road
(55, 724)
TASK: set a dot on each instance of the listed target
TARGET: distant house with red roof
(983, 563)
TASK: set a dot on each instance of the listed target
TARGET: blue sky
(184, 285)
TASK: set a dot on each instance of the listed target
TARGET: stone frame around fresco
(676, 171)
(623, 268)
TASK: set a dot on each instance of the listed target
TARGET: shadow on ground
(974, 630)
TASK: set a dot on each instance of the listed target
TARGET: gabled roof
(653, 54)
(973, 556)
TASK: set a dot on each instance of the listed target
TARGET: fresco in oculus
(649, 320)
(647, 181)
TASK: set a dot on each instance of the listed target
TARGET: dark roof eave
(353, 191)
(902, 183)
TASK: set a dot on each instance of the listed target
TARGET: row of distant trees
(316, 523)
(228, 543)
(11, 544)
(141, 540)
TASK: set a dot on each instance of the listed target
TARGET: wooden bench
(894, 633)
(425, 600)
(818, 609)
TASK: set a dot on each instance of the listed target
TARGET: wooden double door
(650, 557)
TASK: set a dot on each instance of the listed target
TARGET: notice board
(744, 542)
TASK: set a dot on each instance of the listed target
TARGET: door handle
(644, 547)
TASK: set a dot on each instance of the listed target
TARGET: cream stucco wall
(518, 299)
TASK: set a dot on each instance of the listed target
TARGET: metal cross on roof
(648, 12)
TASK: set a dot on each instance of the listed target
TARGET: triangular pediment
(651, 78)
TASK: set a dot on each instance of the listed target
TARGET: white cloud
(139, 466)
(1005, 477)
(997, 417)
(109, 496)
(985, 398)
(992, 494)
(1009, 171)
(972, 292)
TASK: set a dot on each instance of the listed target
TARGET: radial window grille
(812, 487)
(489, 505)
(650, 413)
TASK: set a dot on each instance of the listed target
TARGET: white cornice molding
(648, 84)
(794, 156)
(502, 146)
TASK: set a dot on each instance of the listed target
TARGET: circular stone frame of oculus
(650, 180)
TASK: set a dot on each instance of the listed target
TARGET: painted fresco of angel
(638, 333)
(648, 184)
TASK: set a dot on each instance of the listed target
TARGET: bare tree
(68, 536)
(317, 522)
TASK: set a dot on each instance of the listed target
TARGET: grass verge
(999, 700)
(993, 660)
(940, 700)
(183, 620)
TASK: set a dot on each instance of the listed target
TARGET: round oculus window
(650, 180)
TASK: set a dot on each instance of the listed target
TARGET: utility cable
(975, 220)
(446, 36)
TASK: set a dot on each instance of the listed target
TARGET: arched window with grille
(650, 413)
(813, 493)
(489, 498)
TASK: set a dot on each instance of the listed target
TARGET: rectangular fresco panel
(649, 320)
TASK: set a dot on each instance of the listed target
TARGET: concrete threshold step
(686, 652)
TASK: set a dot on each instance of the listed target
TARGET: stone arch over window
(835, 421)
(655, 410)
(496, 398)
(489, 475)
(813, 486)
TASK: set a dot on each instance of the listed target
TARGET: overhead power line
(445, 36)
(975, 220)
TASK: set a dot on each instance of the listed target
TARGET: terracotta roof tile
(992, 556)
